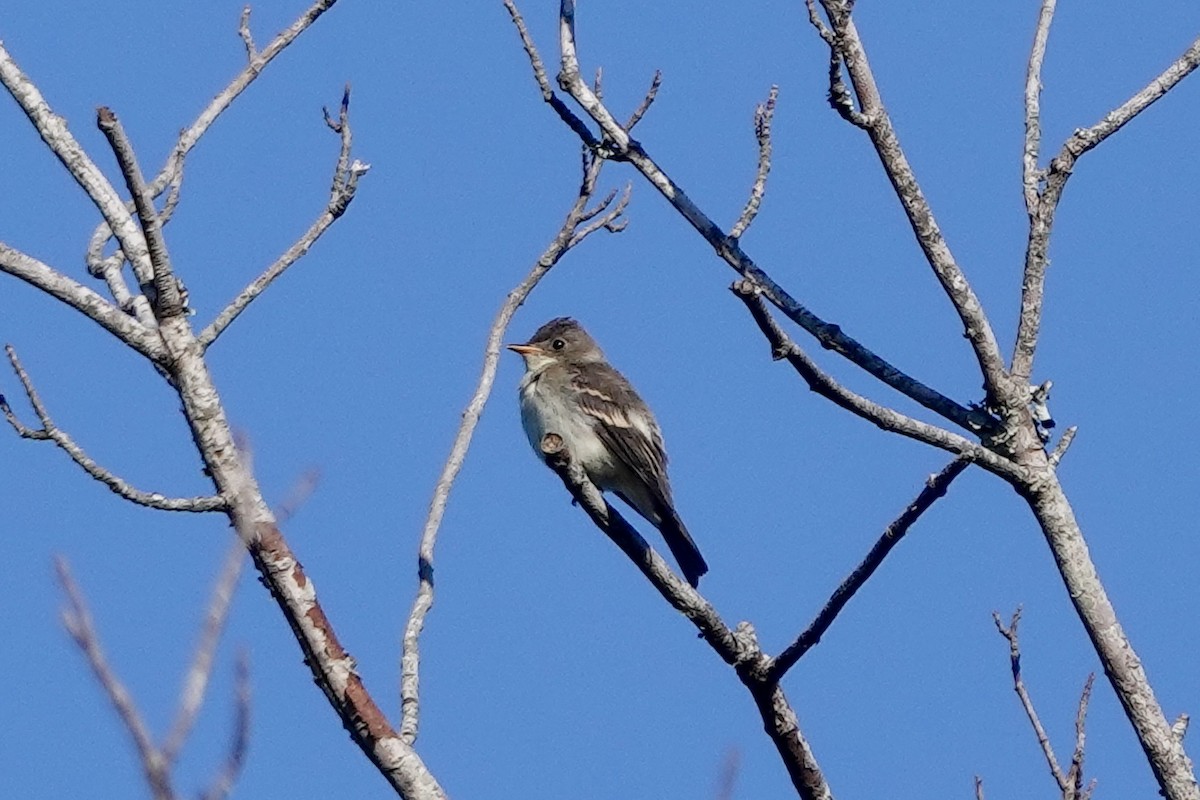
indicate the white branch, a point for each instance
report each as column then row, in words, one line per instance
column 50, row 432
column 256, row 63
column 79, row 297
column 346, row 174
column 54, row 132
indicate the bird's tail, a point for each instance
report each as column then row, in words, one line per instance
column 687, row 555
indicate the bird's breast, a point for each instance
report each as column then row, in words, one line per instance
column 545, row 409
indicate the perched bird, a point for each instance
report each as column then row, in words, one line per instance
column 570, row 389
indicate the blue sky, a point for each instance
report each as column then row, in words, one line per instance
column 551, row 668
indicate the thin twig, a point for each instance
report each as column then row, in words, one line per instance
column 167, row 300
column 1014, row 655
column 200, row 670
column 1075, row 773
column 78, row 621
column 548, row 94
column 1031, row 175
column 647, row 101
column 569, row 235
column 840, row 98
column 888, row 419
column 935, row 488
column 191, row 135
column 239, row 741
column 763, row 115
column 246, row 36
column 815, row 20
column 345, row 184
column 978, row 788
column 618, row 144
column 1064, row 444
column 50, row 432
column 613, row 220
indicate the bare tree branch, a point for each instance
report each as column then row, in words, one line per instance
column 647, row 101
column 1041, row 215
column 239, row 741
column 1013, row 439
column 78, row 621
column 1064, row 444
column 620, row 146
column 200, row 670
column 1014, row 655
column 738, row 648
column 79, row 297
column 332, row 667
column 246, row 36
column 1031, row 175
column 54, row 132
column 888, row 419
column 167, row 299
column 569, row 235
column 50, row 432
column 978, row 788
column 1075, row 772
column 878, row 126
column 172, row 170
column 840, row 98
column 763, row 115
column 548, row 94
column 1010, row 392
column 935, row 488
column 345, row 185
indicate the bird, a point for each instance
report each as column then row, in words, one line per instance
column 571, row 390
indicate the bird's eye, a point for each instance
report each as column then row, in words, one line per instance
column 558, row 344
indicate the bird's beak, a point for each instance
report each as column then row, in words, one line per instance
column 524, row 349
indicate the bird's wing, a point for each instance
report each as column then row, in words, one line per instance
column 626, row 426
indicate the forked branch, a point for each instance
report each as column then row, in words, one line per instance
column 58, row 138
column 172, row 172
column 158, row 762
column 70, row 292
column 738, row 648
column 1044, row 187
column 874, row 119
column 888, row 419
column 619, row 145
column 1070, row 783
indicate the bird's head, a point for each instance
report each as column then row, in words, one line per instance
column 559, row 341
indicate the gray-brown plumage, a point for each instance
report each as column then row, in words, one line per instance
column 571, row 390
